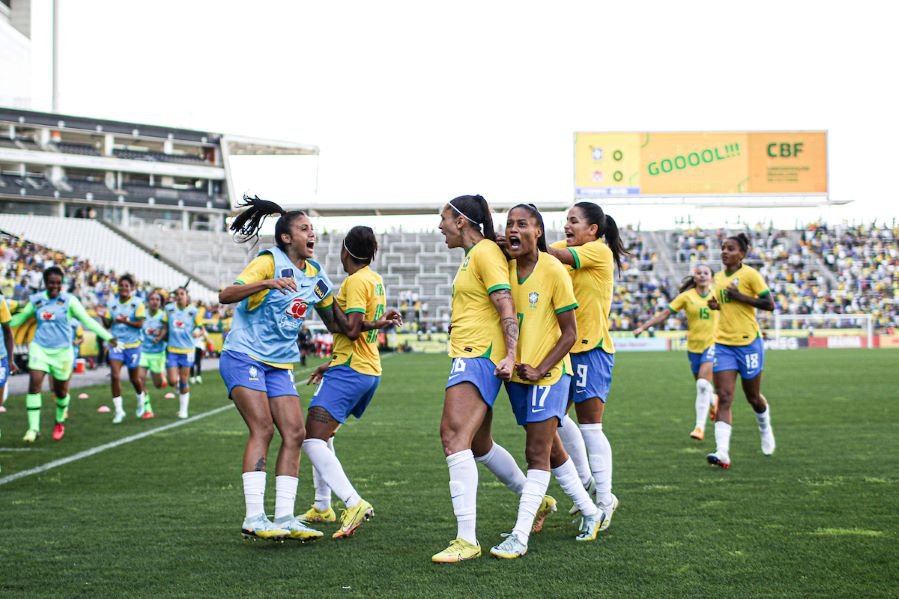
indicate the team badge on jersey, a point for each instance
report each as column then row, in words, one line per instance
column 179, row 324
column 533, row 297
column 321, row 289
column 47, row 316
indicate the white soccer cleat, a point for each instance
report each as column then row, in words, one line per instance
column 768, row 444
column 182, row 415
column 119, row 416
column 609, row 511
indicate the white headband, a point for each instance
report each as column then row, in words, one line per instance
column 474, row 222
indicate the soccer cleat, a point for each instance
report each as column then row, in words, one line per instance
column 260, row 527
column 313, row 515
column 59, row 431
column 148, row 415
column 547, row 507
column 768, row 444
column 511, row 548
column 698, row 434
column 590, row 526
column 298, row 531
column 182, row 415
column 199, row 380
column 191, row 380
column 139, row 413
column 31, row 436
column 722, row 461
column 119, row 416
column 459, row 550
column 352, row 518
column 609, row 511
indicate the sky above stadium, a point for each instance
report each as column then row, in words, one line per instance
column 414, row 101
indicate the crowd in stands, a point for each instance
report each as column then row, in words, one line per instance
column 22, row 264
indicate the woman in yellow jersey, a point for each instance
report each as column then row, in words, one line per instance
column 694, row 295
column 7, row 345
column 740, row 290
column 538, row 391
column 483, row 340
column 273, row 295
column 349, row 382
column 591, row 263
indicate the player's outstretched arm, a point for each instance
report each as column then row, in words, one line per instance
column 657, row 319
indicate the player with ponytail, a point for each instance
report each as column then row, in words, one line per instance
column 592, row 250
column 273, row 293
column 740, row 291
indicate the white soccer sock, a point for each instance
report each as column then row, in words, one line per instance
column 567, row 476
column 704, row 394
column 501, row 463
column 254, row 493
column 463, row 472
column 722, row 439
column 141, row 399
column 5, row 392
column 600, row 452
column 531, row 497
column 329, row 468
column 185, row 401
column 322, row 490
column 285, row 495
column 117, row 403
column 764, row 420
column 573, row 441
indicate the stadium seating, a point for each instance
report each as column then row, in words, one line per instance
column 93, row 241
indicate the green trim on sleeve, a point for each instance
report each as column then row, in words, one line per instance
column 26, row 313
column 77, row 310
column 577, row 260
column 498, row 287
column 764, row 293
column 566, row 308
column 239, row 282
column 351, row 310
column 672, row 310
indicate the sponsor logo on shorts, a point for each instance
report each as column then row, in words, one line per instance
column 253, row 373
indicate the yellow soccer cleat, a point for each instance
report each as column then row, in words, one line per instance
column 298, row 530
column 31, row 436
column 698, row 434
column 260, row 527
column 352, row 518
column 459, row 550
column 313, row 515
column 547, row 507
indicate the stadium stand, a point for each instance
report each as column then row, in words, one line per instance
column 101, row 246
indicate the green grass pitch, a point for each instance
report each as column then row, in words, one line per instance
column 160, row 516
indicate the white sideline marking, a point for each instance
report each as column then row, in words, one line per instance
column 101, row 448
column 2, row 449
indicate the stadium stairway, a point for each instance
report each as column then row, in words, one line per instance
column 102, row 246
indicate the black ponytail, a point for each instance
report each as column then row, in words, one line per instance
column 248, row 223
column 541, row 241
column 476, row 212
column 607, row 228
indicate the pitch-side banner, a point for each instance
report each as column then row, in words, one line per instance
column 682, row 164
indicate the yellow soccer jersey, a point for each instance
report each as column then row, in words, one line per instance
column 5, row 316
column 701, row 320
column 476, row 329
column 545, row 292
column 363, row 292
column 263, row 268
column 593, row 277
column 738, row 324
